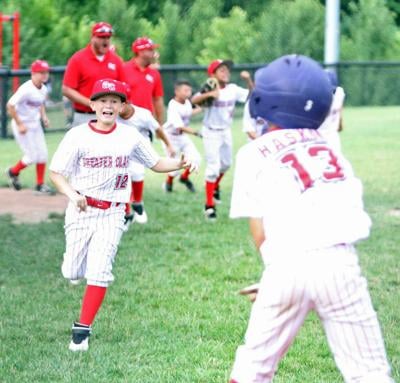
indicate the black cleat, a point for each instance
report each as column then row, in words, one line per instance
column 210, row 213
column 167, row 187
column 140, row 215
column 13, row 179
column 44, row 189
column 217, row 195
column 189, row 184
column 80, row 337
column 128, row 219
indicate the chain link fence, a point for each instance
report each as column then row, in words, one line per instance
column 365, row 84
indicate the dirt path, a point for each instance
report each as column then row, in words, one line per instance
column 26, row 206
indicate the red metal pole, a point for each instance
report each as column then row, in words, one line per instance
column 1, row 39
column 15, row 49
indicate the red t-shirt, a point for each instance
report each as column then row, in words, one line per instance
column 144, row 84
column 84, row 69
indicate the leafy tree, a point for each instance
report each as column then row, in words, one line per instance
column 370, row 32
column 288, row 27
column 229, row 37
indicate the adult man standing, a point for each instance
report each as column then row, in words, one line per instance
column 94, row 62
column 146, row 91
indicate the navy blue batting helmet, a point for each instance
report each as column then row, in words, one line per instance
column 292, row 92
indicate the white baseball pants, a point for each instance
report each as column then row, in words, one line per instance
column 32, row 143
column 92, row 239
column 218, row 152
column 328, row 281
column 183, row 144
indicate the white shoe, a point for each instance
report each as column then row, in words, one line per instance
column 83, row 346
column 75, row 282
column 140, row 215
column 80, row 337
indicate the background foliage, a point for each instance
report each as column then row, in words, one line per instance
column 193, row 31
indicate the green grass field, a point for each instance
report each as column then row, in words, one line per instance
column 173, row 313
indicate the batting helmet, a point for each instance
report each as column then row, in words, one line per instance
column 292, row 92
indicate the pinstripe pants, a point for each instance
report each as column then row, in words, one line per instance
column 328, row 281
column 92, row 239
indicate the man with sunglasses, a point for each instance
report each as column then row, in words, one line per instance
column 94, row 62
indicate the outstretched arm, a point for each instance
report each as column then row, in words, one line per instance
column 166, row 164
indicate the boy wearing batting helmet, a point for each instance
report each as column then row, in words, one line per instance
column 306, row 213
column 91, row 167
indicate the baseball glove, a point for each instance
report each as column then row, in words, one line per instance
column 208, row 86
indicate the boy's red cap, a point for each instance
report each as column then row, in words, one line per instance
column 40, row 66
column 108, row 86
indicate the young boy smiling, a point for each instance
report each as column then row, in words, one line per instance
column 90, row 167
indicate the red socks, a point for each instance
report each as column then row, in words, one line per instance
column 185, row 174
column 18, row 167
column 210, row 187
column 137, row 191
column 40, row 169
column 170, row 179
column 91, row 303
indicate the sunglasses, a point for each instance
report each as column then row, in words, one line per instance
column 104, row 30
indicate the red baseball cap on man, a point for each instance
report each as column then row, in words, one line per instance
column 40, row 66
column 102, row 29
column 108, row 86
column 214, row 65
column 142, row 43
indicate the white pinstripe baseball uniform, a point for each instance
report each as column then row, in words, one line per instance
column 312, row 211
column 330, row 127
column 96, row 164
column 27, row 100
column 144, row 121
column 217, row 135
column 178, row 116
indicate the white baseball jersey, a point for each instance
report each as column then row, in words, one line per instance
column 27, row 101
column 178, row 116
column 97, row 162
column 220, row 114
column 305, row 191
column 143, row 121
column 257, row 125
column 311, row 207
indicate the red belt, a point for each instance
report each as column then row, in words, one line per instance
column 104, row 205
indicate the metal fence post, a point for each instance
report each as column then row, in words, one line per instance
column 5, row 77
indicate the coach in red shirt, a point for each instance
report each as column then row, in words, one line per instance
column 94, row 62
column 144, row 80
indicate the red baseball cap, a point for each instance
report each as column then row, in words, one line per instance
column 40, row 66
column 142, row 43
column 102, row 29
column 108, row 86
column 216, row 64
